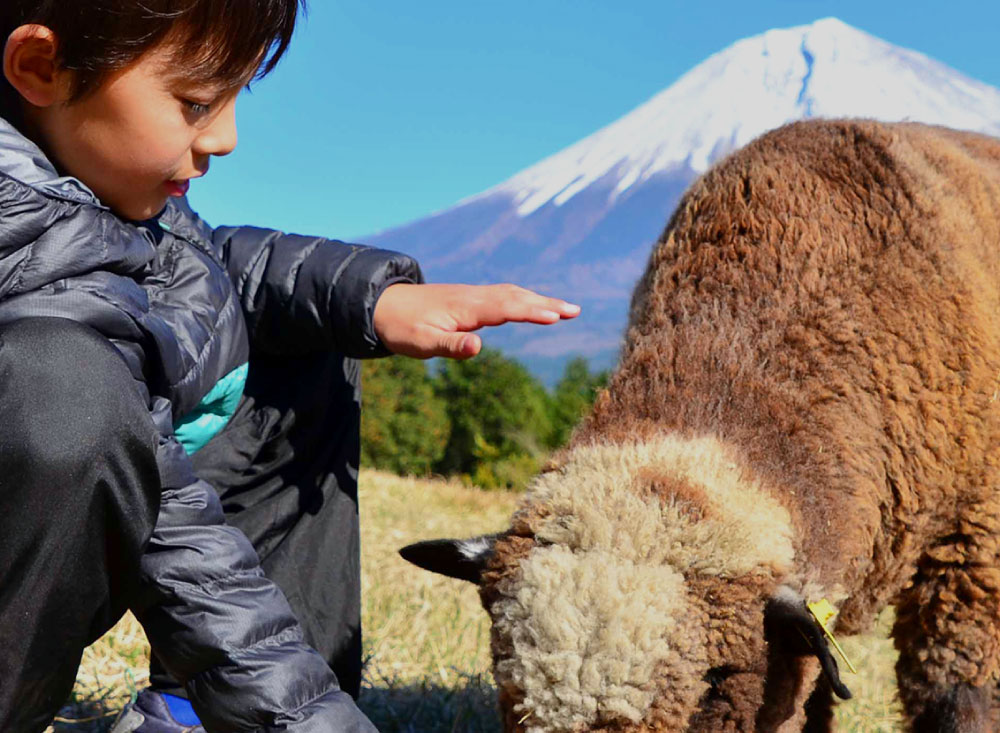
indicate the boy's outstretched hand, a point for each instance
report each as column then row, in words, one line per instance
column 434, row 320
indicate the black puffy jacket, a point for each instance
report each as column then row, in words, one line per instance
column 182, row 303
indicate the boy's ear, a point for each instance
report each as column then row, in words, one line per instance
column 31, row 65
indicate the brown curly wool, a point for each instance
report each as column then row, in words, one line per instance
column 806, row 406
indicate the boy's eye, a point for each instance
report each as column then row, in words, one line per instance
column 197, row 108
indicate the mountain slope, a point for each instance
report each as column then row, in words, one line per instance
column 580, row 223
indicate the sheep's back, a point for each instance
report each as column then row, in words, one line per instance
column 826, row 299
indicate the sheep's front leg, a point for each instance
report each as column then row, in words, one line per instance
column 947, row 632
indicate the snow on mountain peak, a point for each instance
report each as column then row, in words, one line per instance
column 826, row 69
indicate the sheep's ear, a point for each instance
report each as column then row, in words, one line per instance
column 788, row 623
column 462, row 559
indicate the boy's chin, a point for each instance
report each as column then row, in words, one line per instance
column 140, row 210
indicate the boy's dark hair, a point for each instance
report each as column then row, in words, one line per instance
column 220, row 41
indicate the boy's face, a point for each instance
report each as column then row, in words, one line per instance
column 142, row 135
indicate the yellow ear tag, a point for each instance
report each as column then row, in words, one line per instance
column 823, row 612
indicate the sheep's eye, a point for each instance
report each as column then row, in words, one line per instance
column 717, row 675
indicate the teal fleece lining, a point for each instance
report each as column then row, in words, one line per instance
column 205, row 421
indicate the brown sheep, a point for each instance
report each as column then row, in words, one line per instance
column 805, row 408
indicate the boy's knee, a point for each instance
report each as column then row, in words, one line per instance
column 67, row 395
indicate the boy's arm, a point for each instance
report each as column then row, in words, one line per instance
column 307, row 293
column 219, row 625
column 302, row 294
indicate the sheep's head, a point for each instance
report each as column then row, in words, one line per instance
column 638, row 589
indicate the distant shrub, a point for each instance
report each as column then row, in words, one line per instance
column 404, row 424
column 487, row 420
column 498, row 412
column 508, row 473
column 572, row 398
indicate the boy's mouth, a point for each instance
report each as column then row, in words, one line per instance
column 178, row 188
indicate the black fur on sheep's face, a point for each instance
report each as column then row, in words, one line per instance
column 633, row 591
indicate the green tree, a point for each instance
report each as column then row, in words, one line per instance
column 572, row 398
column 404, row 425
column 499, row 415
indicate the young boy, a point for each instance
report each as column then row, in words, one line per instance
column 127, row 408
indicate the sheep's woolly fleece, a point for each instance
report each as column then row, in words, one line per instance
column 600, row 601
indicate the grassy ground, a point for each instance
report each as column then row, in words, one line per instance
column 426, row 637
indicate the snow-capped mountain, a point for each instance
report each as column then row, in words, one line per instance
column 580, row 223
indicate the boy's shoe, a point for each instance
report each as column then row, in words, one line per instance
column 157, row 712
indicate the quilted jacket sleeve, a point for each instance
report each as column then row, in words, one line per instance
column 302, row 292
column 221, row 627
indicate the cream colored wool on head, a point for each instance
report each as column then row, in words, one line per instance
column 580, row 625
column 600, row 602
column 597, row 501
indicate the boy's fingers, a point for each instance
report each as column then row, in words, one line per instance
column 544, row 302
column 521, row 305
column 557, row 305
column 534, row 312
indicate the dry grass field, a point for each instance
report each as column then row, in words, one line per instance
column 426, row 638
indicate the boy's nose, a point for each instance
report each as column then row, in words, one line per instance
column 220, row 137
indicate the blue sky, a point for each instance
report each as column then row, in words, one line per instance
column 387, row 110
